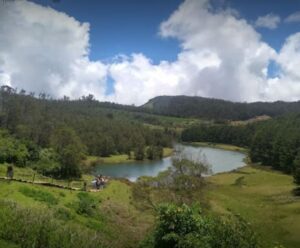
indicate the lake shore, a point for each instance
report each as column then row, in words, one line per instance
column 218, row 146
column 120, row 158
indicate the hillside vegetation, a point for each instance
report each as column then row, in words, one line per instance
column 216, row 109
column 55, row 136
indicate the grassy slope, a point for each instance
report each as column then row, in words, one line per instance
column 120, row 222
column 264, row 198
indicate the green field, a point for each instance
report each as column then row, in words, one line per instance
column 120, row 158
column 260, row 195
column 264, row 198
column 116, row 219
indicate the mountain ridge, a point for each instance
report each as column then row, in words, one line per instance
column 212, row 108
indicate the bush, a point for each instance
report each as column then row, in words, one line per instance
column 86, row 204
column 185, row 227
column 63, row 214
column 37, row 228
column 39, row 195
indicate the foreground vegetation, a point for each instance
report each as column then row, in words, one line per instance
column 263, row 197
column 123, row 214
column 38, row 216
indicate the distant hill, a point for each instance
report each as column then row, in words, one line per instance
column 209, row 108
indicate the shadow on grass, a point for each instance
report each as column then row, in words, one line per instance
column 296, row 191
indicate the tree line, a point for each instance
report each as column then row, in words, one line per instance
column 55, row 135
column 217, row 109
column 275, row 142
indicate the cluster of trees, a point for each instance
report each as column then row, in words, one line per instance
column 216, row 109
column 44, row 132
column 184, row 226
column 274, row 142
column 226, row 134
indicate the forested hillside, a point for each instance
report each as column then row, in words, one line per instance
column 55, row 135
column 274, row 142
column 216, row 109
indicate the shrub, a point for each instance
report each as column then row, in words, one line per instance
column 86, row 204
column 37, row 228
column 39, row 195
column 185, row 227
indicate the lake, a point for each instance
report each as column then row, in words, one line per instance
column 219, row 159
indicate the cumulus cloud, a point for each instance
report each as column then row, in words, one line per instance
column 43, row 50
column 269, row 21
column 295, row 17
column 221, row 56
column 287, row 85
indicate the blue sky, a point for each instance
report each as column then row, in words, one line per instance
column 124, row 27
column 128, row 26
column 229, row 49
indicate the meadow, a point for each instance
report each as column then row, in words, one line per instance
column 260, row 195
column 264, row 198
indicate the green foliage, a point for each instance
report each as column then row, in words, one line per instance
column 37, row 228
column 72, row 129
column 12, row 150
column 186, row 227
column 296, row 172
column 70, row 151
column 216, row 109
column 48, row 163
column 39, row 195
column 274, row 142
column 86, row 204
column 139, row 153
column 154, row 152
column 63, row 214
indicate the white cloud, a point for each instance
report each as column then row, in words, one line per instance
column 295, row 17
column 221, row 56
column 287, row 85
column 269, row 21
column 43, row 50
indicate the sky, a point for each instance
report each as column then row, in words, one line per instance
column 129, row 51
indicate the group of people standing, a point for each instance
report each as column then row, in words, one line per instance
column 99, row 182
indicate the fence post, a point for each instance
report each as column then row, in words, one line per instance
column 33, row 177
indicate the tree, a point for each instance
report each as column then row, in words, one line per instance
column 139, row 153
column 186, row 227
column 296, row 173
column 70, row 151
column 150, row 153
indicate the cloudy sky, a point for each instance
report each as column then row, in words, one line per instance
column 130, row 51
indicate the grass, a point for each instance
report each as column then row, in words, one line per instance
column 30, row 175
column 264, row 198
column 260, row 195
column 111, row 212
column 5, row 244
column 39, row 195
column 120, row 158
column 220, row 146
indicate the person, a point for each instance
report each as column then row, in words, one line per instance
column 98, row 181
column 84, row 186
column 10, row 172
column 102, row 181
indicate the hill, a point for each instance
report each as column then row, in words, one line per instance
column 216, row 109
